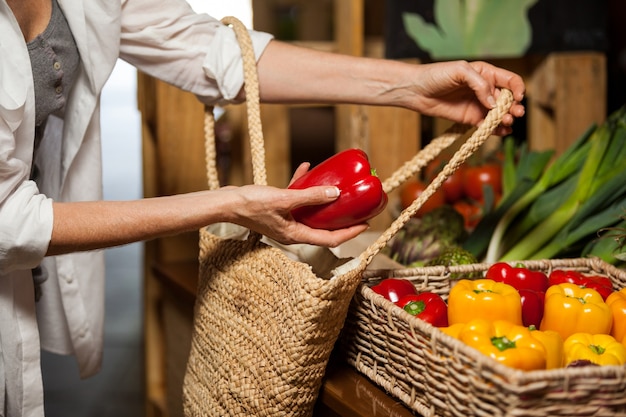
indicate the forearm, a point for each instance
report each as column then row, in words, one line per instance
column 85, row 226
column 288, row 73
column 456, row 90
column 80, row 226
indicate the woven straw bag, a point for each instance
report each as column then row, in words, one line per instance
column 266, row 316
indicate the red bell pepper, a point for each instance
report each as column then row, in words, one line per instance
column 532, row 307
column 600, row 283
column 427, row 306
column 518, row 276
column 530, row 284
column 362, row 195
column 393, row 289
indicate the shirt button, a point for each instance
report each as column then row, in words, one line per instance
column 57, row 65
column 59, row 90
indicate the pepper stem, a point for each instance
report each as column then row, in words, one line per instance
column 503, row 343
column 415, row 307
column 598, row 350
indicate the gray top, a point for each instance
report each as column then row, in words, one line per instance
column 54, row 60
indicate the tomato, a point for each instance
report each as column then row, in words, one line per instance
column 471, row 211
column 478, row 176
column 413, row 189
column 453, row 185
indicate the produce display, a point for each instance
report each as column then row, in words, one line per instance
column 362, row 196
column 572, row 318
column 521, row 204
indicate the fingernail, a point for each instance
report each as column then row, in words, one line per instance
column 491, row 101
column 332, row 192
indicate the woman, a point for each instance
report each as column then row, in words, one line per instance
column 57, row 55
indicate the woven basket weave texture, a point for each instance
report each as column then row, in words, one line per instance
column 437, row 375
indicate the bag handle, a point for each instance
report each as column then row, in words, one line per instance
column 425, row 155
column 255, row 130
column 477, row 138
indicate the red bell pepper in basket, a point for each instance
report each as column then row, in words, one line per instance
column 532, row 307
column 427, row 306
column 393, row 289
column 530, row 284
column 518, row 276
column 362, row 196
column 600, row 283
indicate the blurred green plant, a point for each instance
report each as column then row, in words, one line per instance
column 473, row 29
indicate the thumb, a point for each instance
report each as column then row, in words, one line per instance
column 320, row 194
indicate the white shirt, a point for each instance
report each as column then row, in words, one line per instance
column 163, row 38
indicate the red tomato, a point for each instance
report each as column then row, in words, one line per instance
column 476, row 177
column 472, row 212
column 413, row 189
column 453, row 186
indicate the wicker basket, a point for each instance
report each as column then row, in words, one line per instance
column 435, row 374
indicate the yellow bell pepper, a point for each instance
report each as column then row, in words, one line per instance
column 510, row 344
column 553, row 342
column 572, row 309
column 483, row 299
column 453, row 330
column 617, row 303
column 601, row 349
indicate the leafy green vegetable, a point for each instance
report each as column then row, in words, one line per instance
column 582, row 192
column 561, row 169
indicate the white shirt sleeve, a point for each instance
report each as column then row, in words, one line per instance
column 25, row 228
column 194, row 52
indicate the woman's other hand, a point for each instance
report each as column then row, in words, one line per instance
column 462, row 91
column 267, row 210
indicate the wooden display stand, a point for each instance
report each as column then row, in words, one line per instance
column 566, row 95
column 566, row 92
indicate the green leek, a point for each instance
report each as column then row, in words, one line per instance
column 593, row 176
column 563, row 167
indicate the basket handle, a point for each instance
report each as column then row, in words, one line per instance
column 477, row 138
column 251, row 88
column 425, row 155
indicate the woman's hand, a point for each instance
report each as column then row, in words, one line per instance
column 267, row 210
column 461, row 91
